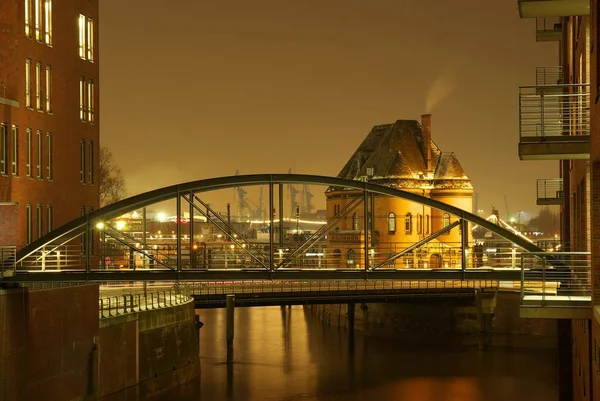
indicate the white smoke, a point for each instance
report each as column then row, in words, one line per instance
column 442, row 86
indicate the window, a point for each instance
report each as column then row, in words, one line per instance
column 90, row 100
column 446, row 220
column 419, row 224
column 48, row 89
column 355, row 226
column 392, row 223
column 82, row 98
column 408, row 223
column 28, row 18
column 336, row 209
column 28, row 223
column 351, row 255
column 91, row 162
column 38, row 20
column 82, row 36
column 82, row 161
column 48, row 22
column 427, row 224
column 38, row 86
column 90, row 39
column 3, row 149
column 15, row 151
column 49, row 217
column 28, row 144
column 28, row 83
column 49, row 156
column 39, row 221
column 38, row 161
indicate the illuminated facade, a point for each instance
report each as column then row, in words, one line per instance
column 49, row 132
column 403, row 156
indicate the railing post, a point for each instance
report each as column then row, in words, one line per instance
column 366, row 228
column 464, row 243
column 543, row 280
column 191, row 233
column 280, row 215
column 522, row 277
column 178, row 227
column 271, row 228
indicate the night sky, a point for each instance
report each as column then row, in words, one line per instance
column 193, row 89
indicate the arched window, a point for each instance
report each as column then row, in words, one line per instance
column 391, row 223
column 350, row 256
column 446, row 220
column 427, row 224
column 408, row 223
column 355, row 221
column 419, row 224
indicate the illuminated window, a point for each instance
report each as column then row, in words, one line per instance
column 392, row 223
column 446, row 220
column 355, row 222
column 48, row 22
column 90, row 100
column 49, row 156
column 91, row 162
column 427, row 224
column 82, row 36
column 15, row 151
column 28, row 144
column 3, row 149
column 49, row 217
column 38, row 162
column 82, row 161
column 408, row 223
column 28, row 83
column 39, row 220
column 38, row 20
column 38, row 86
column 48, row 89
column 90, row 40
column 28, row 18
column 28, row 223
column 419, row 224
column 82, row 97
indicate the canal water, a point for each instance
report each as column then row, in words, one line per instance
column 288, row 354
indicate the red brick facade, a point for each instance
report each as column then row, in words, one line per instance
column 54, row 191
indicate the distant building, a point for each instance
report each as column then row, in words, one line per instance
column 400, row 155
column 49, row 132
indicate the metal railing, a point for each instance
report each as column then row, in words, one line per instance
column 550, row 188
column 565, row 278
column 138, row 302
column 8, row 257
column 546, row 26
column 548, row 76
column 554, row 110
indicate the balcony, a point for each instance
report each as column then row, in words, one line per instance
column 554, row 122
column 550, row 191
column 552, row 8
column 548, row 29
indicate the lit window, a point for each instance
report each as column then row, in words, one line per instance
column 3, row 149
column 49, row 217
column 48, row 22
column 28, row 18
column 408, row 223
column 91, row 162
column 82, row 161
column 28, row 83
column 90, row 100
column 39, row 220
column 392, row 223
column 446, row 220
column 38, row 86
column 427, row 224
column 82, row 98
column 28, row 223
column 38, row 20
column 38, row 163
column 90, row 39
column 419, row 224
column 48, row 89
column 82, row 36
column 15, row 151
column 355, row 222
column 28, row 144
column 49, row 156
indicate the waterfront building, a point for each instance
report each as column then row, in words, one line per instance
column 49, row 131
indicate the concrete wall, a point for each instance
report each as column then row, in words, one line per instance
column 434, row 320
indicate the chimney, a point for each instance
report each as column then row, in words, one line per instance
column 426, row 135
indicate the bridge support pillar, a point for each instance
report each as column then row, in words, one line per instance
column 351, row 314
column 480, row 318
column 229, row 324
column 565, row 360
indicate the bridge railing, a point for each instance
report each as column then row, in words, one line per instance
column 556, row 279
column 123, row 304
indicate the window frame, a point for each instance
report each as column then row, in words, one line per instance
column 408, row 223
column 391, row 223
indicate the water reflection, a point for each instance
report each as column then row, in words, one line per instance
column 287, row 354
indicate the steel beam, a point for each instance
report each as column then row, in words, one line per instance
column 280, row 192
column 178, row 226
column 366, row 229
column 271, row 229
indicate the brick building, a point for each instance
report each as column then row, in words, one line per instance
column 49, row 133
column 566, row 127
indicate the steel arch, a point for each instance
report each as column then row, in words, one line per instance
column 79, row 225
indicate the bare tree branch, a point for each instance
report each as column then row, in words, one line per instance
column 112, row 183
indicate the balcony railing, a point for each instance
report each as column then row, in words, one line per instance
column 550, row 191
column 553, row 76
column 554, row 122
column 548, row 29
column 553, row 8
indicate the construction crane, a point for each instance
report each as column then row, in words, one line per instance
column 307, row 196
column 293, row 192
column 247, row 208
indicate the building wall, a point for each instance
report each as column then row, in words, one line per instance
column 61, row 195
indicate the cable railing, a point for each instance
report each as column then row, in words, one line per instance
column 128, row 303
column 549, row 190
column 548, row 76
